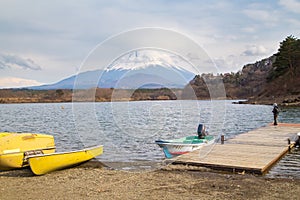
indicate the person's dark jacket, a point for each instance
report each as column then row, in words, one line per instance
column 275, row 110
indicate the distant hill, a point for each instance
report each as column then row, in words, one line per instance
column 273, row 79
column 100, row 95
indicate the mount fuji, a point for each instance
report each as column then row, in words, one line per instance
column 138, row 69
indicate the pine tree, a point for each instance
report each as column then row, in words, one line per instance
column 287, row 59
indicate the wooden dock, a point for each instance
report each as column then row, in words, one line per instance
column 255, row 151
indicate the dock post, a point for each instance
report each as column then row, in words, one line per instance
column 222, row 139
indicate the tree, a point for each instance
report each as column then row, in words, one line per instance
column 59, row 93
column 287, row 58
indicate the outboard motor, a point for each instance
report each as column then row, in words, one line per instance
column 201, row 131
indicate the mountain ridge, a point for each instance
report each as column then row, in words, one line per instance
column 166, row 70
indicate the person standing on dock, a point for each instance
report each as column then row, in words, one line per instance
column 275, row 113
column 297, row 143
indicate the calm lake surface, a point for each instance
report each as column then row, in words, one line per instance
column 128, row 129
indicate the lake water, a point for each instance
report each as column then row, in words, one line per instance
column 128, row 129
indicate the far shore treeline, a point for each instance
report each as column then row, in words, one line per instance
column 273, row 79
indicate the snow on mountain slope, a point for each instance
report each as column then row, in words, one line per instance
column 143, row 58
column 148, row 67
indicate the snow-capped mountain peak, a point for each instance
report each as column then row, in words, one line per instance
column 137, row 69
column 141, row 59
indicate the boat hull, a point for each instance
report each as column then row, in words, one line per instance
column 42, row 164
column 3, row 134
column 172, row 148
column 15, row 146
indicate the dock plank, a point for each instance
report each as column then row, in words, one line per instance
column 255, row 151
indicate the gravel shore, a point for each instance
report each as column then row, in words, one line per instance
column 84, row 182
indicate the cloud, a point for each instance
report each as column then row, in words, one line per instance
column 14, row 82
column 249, row 29
column 291, row 5
column 255, row 50
column 13, row 61
column 267, row 17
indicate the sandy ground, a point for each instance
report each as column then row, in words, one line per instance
column 85, row 182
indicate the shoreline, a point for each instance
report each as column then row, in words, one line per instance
column 287, row 105
column 283, row 102
column 95, row 182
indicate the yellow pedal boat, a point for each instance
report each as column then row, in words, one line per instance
column 2, row 134
column 42, row 164
column 15, row 147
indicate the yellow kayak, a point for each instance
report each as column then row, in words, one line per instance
column 42, row 164
column 2, row 134
column 15, row 147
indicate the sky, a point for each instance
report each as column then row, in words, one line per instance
column 47, row 41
